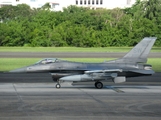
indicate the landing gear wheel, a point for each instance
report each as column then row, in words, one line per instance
column 98, row 85
column 58, row 86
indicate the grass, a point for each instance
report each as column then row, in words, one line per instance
column 70, row 49
column 7, row 64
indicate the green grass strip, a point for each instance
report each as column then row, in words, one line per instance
column 7, row 64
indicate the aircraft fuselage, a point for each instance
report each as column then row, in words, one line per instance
column 65, row 68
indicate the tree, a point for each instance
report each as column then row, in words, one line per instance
column 15, row 12
column 46, row 6
column 151, row 8
column 78, row 26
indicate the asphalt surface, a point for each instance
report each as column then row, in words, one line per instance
column 41, row 101
column 34, row 97
column 68, row 55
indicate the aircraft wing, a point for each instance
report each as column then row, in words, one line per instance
column 103, row 71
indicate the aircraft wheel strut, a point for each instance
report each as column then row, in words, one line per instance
column 99, row 85
column 58, row 86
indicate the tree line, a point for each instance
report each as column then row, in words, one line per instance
column 78, row 26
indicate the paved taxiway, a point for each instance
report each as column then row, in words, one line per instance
column 24, row 98
column 42, row 101
column 69, row 54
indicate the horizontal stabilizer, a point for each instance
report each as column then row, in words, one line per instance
column 145, row 72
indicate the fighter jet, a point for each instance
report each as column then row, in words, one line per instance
column 133, row 64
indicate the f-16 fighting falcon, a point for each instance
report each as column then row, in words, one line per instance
column 133, row 64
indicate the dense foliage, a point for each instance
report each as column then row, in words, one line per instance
column 81, row 27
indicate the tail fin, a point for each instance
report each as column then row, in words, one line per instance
column 139, row 53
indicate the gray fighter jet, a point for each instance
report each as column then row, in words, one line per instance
column 131, row 65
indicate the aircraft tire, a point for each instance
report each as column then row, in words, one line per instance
column 58, row 86
column 99, row 85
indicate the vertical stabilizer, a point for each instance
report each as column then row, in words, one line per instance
column 140, row 52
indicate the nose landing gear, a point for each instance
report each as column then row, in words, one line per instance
column 99, row 85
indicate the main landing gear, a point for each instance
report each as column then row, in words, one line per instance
column 58, row 86
column 99, row 85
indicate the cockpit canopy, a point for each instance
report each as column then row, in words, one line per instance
column 47, row 61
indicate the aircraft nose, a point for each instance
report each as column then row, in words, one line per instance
column 19, row 70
